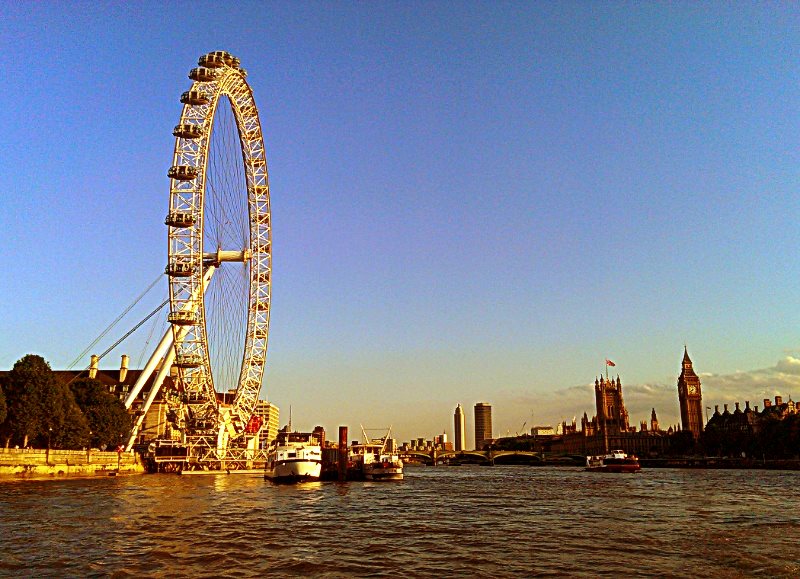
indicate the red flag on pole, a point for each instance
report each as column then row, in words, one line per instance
column 609, row 362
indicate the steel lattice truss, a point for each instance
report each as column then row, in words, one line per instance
column 190, row 264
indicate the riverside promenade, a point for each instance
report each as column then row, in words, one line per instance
column 37, row 463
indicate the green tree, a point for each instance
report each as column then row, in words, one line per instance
column 27, row 388
column 107, row 417
column 73, row 433
column 40, row 408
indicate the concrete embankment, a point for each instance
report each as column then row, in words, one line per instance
column 37, row 463
column 720, row 463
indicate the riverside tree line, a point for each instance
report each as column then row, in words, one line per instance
column 38, row 410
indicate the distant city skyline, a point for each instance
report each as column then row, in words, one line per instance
column 472, row 202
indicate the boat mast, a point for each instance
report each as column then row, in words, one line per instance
column 386, row 439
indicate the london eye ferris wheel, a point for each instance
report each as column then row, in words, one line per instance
column 219, row 226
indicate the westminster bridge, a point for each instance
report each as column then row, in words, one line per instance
column 433, row 457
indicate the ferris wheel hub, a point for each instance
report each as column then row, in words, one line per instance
column 221, row 256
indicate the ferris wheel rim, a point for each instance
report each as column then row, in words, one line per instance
column 190, row 265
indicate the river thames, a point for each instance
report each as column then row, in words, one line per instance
column 501, row 521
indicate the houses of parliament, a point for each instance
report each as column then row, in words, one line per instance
column 610, row 427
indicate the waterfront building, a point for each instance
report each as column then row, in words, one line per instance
column 440, row 442
column 542, row 431
column 753, row 432
column 460, row 429
column 690, row 397
column 780, row 410
column 611, row 412
column 483, row 425
column 270, row 415
column 319, row 434
column 608, row 429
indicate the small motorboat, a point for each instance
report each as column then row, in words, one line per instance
column 614, row 461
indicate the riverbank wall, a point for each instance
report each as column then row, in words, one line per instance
column 17, row 463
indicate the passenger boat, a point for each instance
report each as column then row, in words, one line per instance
column 384, row 466
column 614, row 461
column 294, row 457
column 376, row 461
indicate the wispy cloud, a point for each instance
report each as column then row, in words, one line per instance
column 783, row 379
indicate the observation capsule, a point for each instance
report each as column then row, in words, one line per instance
column 194, row 97
column 212, row 59
column 182, row 318
column 188, row 131
column 179, row 269
column 203, row 74
column 182, row 172
column 179, row 219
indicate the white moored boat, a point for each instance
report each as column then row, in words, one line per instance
column 384, row 467
column 294, row 457
column 376, row 460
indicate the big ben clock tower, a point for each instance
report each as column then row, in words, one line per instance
column 690, row 397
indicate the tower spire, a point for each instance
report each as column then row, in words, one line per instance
column 690, row 396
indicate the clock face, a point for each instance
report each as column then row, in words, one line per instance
column 692, row 389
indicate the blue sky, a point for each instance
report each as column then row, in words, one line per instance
column 471, row 201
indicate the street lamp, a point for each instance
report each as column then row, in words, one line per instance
column 49, row 434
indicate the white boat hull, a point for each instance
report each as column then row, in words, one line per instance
column 377, row 471
column 290, row 471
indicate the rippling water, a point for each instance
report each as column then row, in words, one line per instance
column 446, row 521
